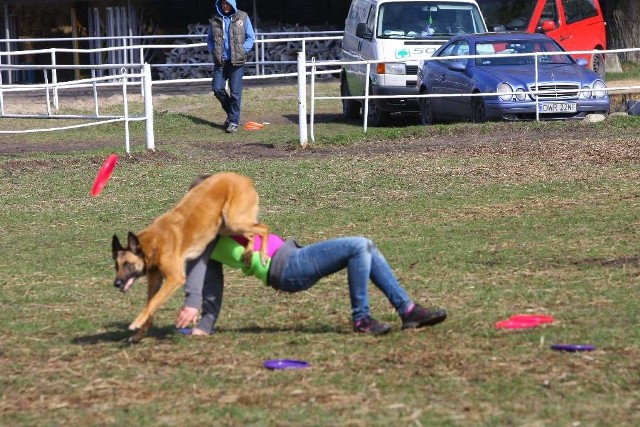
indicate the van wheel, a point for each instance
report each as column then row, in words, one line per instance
column 375, row 116
column 426, row 112
column 597, row 64
column 477, row 111
column 350, row 107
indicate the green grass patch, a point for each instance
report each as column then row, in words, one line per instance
column 484, row 220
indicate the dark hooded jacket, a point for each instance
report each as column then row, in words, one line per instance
column 231, row 37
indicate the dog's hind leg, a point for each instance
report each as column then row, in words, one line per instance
column 154, row 282
column 261, row 230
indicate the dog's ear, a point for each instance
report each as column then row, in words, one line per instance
column 134, row 244
column 115, row 246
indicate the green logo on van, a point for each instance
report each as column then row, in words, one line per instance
column 402, row 53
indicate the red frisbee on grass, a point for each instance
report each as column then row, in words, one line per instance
column 104, row 173
column 524, row 321
column 516, row 324
column 540, row 318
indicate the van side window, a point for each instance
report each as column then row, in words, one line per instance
column 577, row 10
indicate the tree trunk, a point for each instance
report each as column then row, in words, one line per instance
column 623, row 31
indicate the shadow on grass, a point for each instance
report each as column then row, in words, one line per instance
column 122, row 333
column 200, row 121
column 302, row 329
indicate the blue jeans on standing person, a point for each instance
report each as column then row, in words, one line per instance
column 230, row 101
column 363, row 261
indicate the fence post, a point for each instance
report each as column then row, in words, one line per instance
column 148, row 107
column 302, row 98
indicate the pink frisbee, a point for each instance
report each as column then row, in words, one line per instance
column 104, row 173
column 516, row 324
column 540, row 318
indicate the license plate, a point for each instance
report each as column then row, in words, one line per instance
column 557, row 107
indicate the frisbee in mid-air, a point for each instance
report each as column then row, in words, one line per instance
column 276, row 364
column 104, row 173
column 573, row 347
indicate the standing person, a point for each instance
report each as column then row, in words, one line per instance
column 294, row 268
column 230, row 39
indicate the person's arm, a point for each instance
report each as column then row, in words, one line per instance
column 250, row 36
column 193, row 288
column 210, row 39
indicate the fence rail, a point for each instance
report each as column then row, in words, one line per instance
column 307, row 70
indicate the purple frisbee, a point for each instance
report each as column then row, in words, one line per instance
column 184, row 331
column 573, row 347
column 285, row 364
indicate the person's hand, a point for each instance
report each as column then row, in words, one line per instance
column 187, row 316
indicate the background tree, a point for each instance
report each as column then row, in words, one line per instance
column 623, row 26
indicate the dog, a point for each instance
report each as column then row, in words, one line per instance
column 224, row 203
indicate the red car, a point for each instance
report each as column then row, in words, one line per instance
column 574, row 24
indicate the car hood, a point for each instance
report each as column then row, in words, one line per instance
column 525, row 74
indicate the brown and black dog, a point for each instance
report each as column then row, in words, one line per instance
column 225, row 203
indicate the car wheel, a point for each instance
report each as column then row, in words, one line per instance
column 375, row 116
column 477, row 110
column 350, row 107
column 597, row 64
column 426, row 113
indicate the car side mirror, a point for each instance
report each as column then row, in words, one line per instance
column 547, row 25
column 458, row 65
column 363, row 32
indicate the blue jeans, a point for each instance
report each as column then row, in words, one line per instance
column 230, row 102
column 363, row 261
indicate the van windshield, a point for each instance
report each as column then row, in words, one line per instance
column 513, row 15
column 422, row 20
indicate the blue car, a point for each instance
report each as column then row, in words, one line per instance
column 566, row 89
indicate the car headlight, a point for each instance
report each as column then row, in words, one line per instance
column 586, row 92
column 391, row 68
column 520, row 94
column 599, row 89
column 505, row 89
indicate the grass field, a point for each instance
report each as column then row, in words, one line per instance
column 484, row 220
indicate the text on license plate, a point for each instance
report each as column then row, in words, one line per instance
column 557, row 107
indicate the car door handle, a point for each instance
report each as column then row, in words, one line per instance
column 563, row 38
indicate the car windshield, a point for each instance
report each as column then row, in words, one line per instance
column 415, row 20
column 513, row 15
column 514, row 48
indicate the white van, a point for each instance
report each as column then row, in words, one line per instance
column 398, row 33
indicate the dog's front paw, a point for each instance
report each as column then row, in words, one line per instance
column 134, row 339
column 138, row 323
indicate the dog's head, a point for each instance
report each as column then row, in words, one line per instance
column 129, row 262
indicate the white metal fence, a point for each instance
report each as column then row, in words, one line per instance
column 140, row 76
column 307, row 68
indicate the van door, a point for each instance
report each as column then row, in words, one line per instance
column 551, row 11
column 360, row 17
column 582, row 23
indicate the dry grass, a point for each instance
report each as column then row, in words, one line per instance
column 484, row 221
